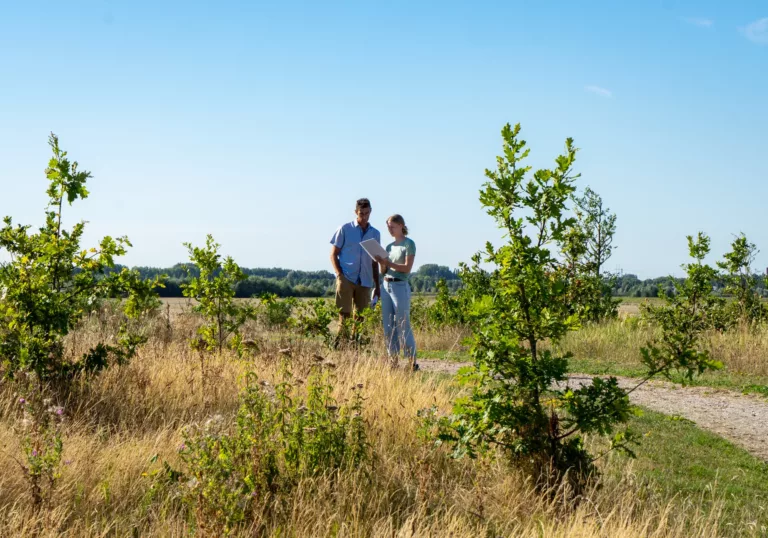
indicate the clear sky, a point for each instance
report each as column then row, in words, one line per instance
column 261, row 123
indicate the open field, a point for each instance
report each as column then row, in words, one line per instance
column 122, row 426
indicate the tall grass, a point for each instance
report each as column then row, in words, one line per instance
column 742, row 350
column 123, row 424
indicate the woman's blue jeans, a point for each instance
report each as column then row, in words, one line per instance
column 396, row 314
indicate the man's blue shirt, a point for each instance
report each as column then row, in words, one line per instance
column 356, row 264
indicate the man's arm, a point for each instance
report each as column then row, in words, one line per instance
column 335, row 251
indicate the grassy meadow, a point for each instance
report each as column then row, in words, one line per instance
column 121, row 427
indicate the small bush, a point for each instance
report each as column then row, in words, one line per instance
column 213, row 288
column 51, row 284
column 313, row 319
column 276, row 313
column 237, row 473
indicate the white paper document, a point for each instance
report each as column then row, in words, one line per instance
column 373, row 248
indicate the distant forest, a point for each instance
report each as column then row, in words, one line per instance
column 291, row 283
column 631, row 286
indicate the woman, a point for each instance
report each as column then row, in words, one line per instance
column 396, row 291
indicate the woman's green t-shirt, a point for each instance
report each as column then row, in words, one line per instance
column 397, row 254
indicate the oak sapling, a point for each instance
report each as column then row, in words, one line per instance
column 520, row 401
column 214, row 290
column 686, row 314
column 51, row 283
column 590, row 246
column 741, row 283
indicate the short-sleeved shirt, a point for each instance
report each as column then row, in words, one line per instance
column 397, row 254
column 356, row 264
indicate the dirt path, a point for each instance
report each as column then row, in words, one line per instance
column 740, row 418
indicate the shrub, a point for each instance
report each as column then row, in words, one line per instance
column 238, row 472
column 51, row 284
column 213, row 288
column 683, row 319
column 517, row 402
column 448, row 308
column 313, row 319
column 741, row 284
column 360, row 329
column 274, row 312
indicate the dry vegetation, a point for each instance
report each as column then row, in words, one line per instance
column 123, row 424
column 741, row 350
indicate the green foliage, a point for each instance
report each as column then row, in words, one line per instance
column 51, row 284
column 448, row 308
column 214, row 291
column 587, row 247
column 741, row 284
column 313, row 319
column 685, row 316
column 293, row 283
column 238, row 472
column 357, row 331
column 274, row 312
column 419, row 312
column 523, row 302
column 598, row 226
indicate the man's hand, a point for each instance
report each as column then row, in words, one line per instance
column 335, row 261
column 377, row 291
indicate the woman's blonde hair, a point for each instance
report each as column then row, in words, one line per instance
column 398, row 219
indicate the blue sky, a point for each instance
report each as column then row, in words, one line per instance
column 261, row 123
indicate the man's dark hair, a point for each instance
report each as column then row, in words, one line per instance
column 363, row 203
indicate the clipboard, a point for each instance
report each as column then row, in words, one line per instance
column 373, row 248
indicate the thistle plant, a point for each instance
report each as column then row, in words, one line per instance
column 39, row 429
column 237, row 471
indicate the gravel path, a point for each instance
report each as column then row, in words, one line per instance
column 740, row 418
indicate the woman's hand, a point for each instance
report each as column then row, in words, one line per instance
column 383, row 261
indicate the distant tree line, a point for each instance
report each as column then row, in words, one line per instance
column 630, row 286
column 291, row 283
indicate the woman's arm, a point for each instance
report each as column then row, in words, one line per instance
column 399, row 267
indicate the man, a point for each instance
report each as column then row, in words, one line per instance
column 356, row 272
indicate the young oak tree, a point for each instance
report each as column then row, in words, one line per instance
column 688, row 312
column 50, row 284
column 741, row 283
column 519, row 401
column 599, row 226
column 214, row 290
column 592, row 238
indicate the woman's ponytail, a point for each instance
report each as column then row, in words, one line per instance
column 399, row 220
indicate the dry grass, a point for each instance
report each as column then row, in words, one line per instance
column 741, row 350
column 116, row 423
